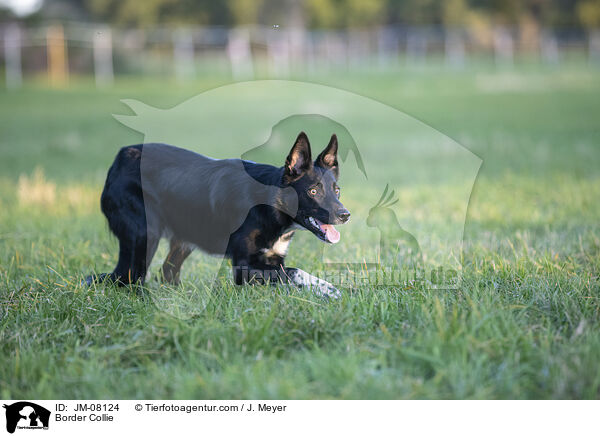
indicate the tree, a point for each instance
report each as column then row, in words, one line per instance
column 344, row 13
column 588, row 12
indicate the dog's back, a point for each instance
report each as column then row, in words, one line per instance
column 182, row 194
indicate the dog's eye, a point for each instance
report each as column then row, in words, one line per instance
column 337, row 191
column 312, row 191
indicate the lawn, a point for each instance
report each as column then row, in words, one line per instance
column 524, row 322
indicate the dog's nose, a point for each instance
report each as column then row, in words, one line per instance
column 343, row 215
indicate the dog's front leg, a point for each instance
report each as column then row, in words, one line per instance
column 299, row 277
column 262, row 274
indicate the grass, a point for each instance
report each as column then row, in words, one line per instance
column 523, row 324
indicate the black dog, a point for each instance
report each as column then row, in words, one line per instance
column 240, row 209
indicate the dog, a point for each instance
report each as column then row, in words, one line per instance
column 246, row 211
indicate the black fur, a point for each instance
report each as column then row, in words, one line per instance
column 241, row 209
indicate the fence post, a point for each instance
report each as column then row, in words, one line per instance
column 103, row 60
column 504, row 46
column 240, row 55
column 387, row 46
column 12, row 50
column 183, row 53
column 297, row 48
column 549, row 48
column 594, row 46
column 278, row 50
column 359, row 53
column 57, row 55
column 454, row 48
column 416, row 46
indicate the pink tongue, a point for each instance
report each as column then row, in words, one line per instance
column 331, row 233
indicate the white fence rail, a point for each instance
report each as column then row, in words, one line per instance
column 98, row 50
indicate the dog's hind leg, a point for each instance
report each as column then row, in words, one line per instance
column 123, row 272
column 178, row 253
column 135, row 255
column 132, row 217
column 145, row 248
column 145, row 242
column 137, row 247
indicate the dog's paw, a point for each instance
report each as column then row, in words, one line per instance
column 93, row 279
column 327, row 290
column 318, row 286
column 88, row 281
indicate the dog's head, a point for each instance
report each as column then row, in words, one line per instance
column 319, row 206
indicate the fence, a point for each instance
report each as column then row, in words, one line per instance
column 59, row 50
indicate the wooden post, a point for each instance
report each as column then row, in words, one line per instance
column 57, row 56
column 12, row 54
column 103, row 60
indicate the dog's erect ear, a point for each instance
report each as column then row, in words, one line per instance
column 328, row 157
column 299, row 160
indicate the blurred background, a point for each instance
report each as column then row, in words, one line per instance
column 106, row 39
column 515, row 82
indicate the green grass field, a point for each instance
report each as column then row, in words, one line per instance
column 523, row 324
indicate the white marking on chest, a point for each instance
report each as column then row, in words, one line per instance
column 280, row 247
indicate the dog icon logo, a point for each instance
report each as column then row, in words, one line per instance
column 26, row 415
